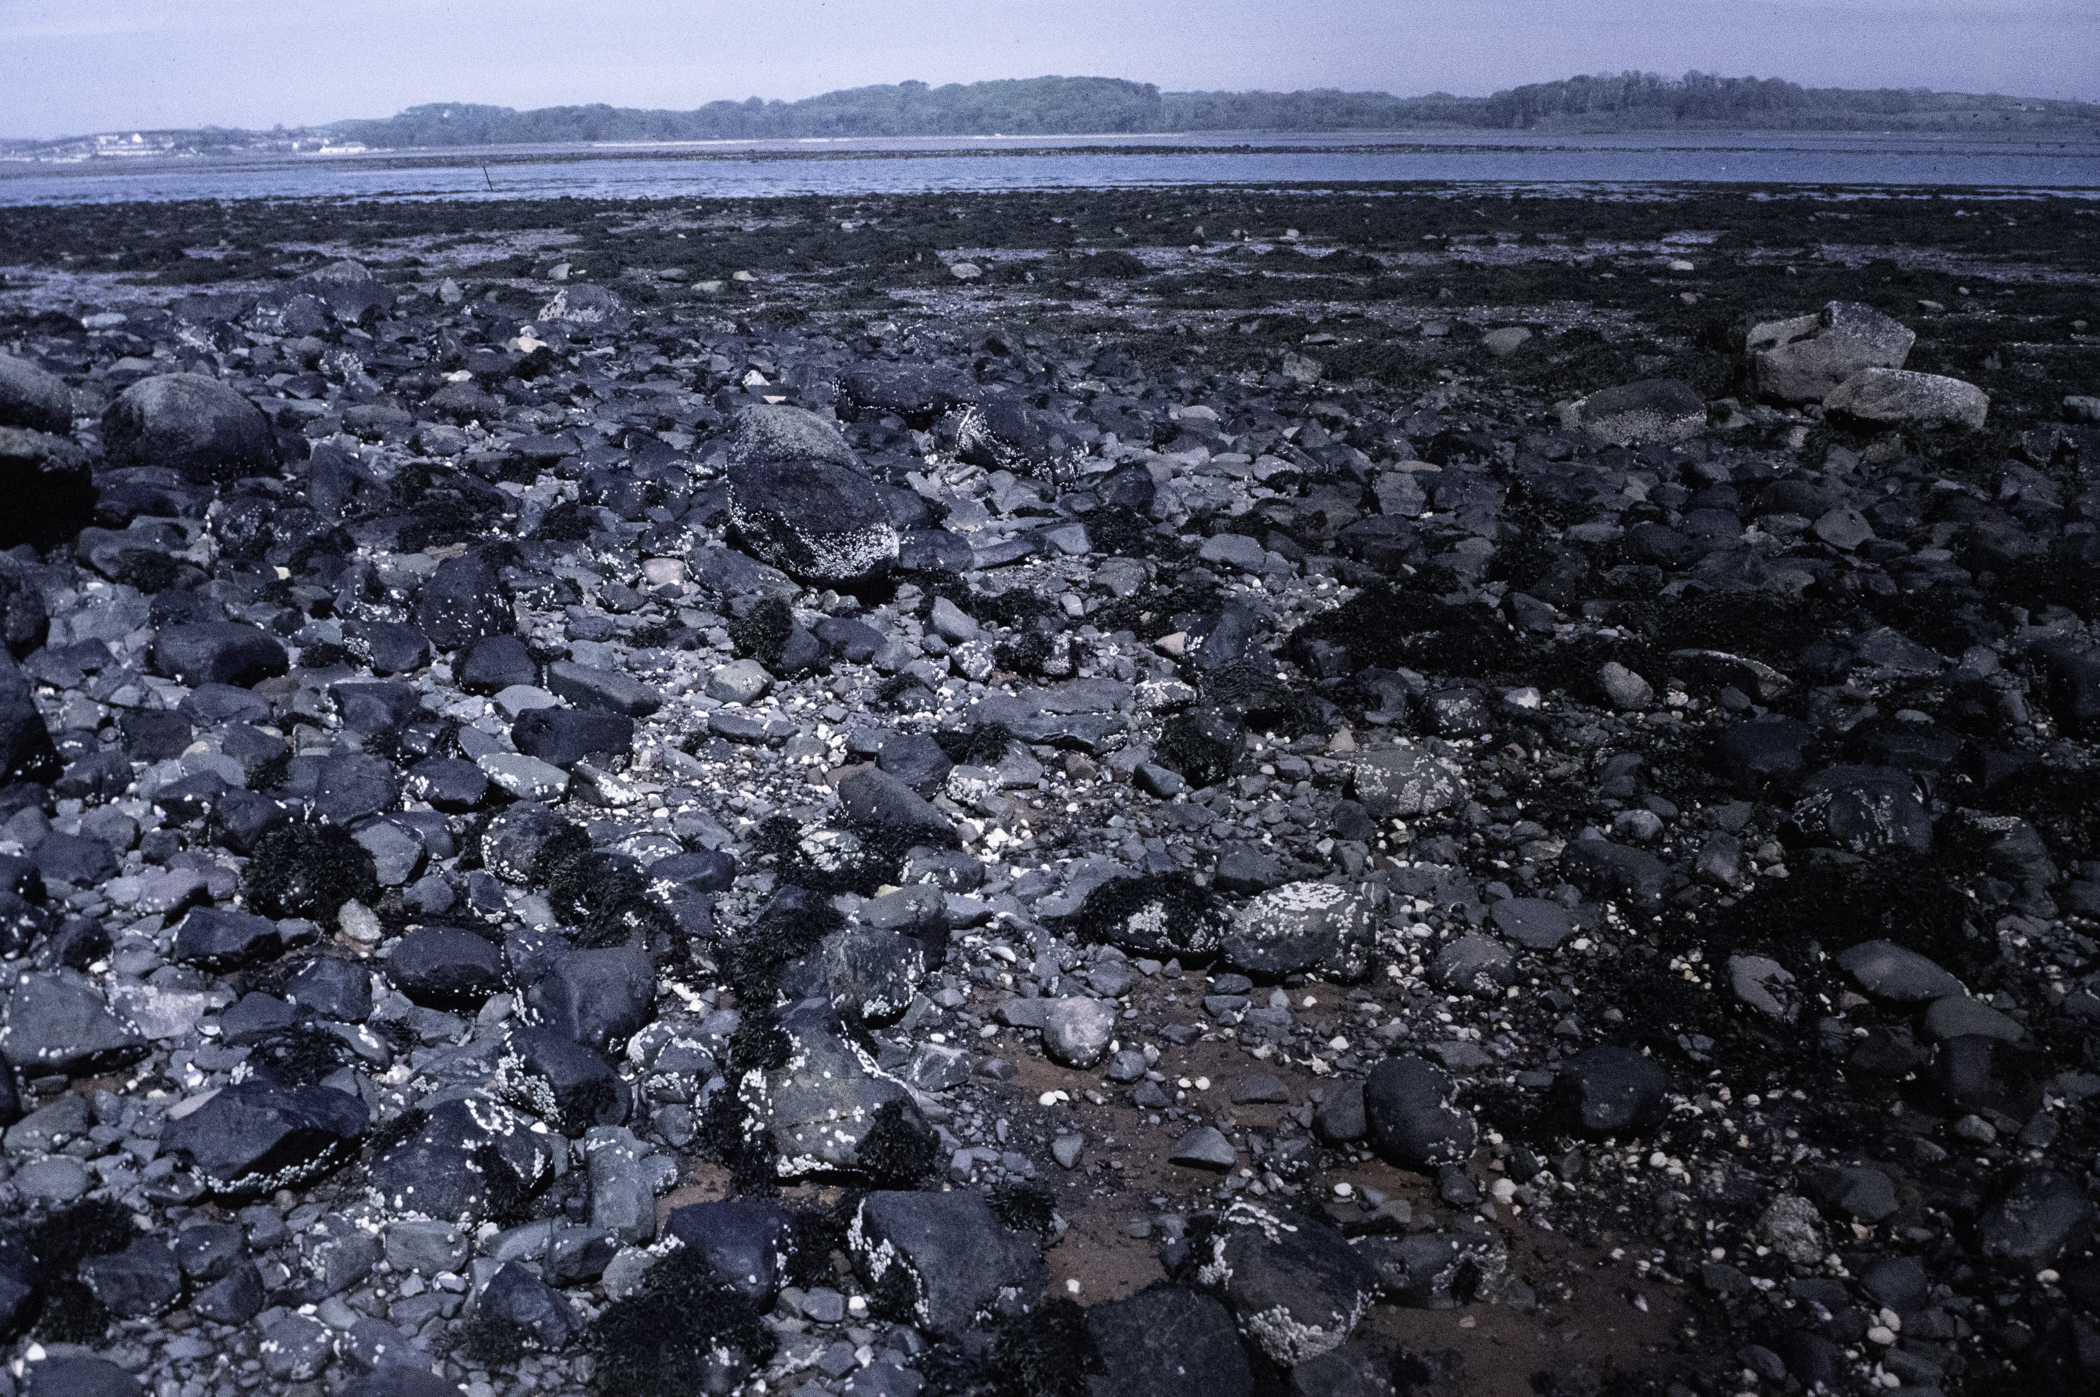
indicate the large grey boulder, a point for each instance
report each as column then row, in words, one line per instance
column 1901, row 398
column 798, row 500
column 190, row 424
column 1801, row 359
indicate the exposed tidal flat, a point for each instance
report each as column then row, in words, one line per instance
column 1520, row 160
column 1210, row 789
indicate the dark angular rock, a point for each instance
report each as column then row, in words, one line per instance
column 1410, row 1115
column 218, row 652
column 443, row 1170
column 234, row 1298
column 373, row 708
column 154, row 735
column 565, row 736
column 587, row 687
column 190, row 424
column 210, row 1250
column 916, row 760
column 463, row 601
column 1896, row 973
column 1167, row 1342
column 950, row 1263
column 445, row 967
column 332, row 988
column 256, row 1137
column 138, row 1282
column 447, row 783
column 1766, row 753
column 1611, row 1090
column 1535, row 923
column 49, row 482
column 61, row 1024
column 1618, row 870
column 26, row 750
column 747, row 1243
column 220, row 940
column 799, row 502
column 2042, row 1215
column 80, row 1377
column 1300, row 927
column 69, row 858
column 1864, row 810
column 387, row 647
column 597, row 998
column 494, row 663
column 561, row 1081
column 881, row 801
column 1437, row 1270
column 1295, row 1287
column 353, row 786
column 517, row 1297
column 704, row 871
column 515, row 837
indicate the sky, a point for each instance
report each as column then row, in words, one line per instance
column 73, row 68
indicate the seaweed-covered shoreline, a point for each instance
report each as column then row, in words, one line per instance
column 1146, row 791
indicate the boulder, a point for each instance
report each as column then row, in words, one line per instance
column 1295, row 1287
column 747, row 1243
column 1901, row 398
column 1653, row 410
column 947, row 1261
column 1301, row 927
column 253, row 1138
column 190, row 424
column 1411, row 1116
column 1799, row 360
column 799, row 502
column 218, row 652
column 463, row 600
column 561, row 1081
column 32, row 398
column 1611, row 1090
column 817, row 1108
column 585, row 309
column 57, row 1023
column 1165, row 1341
column 444, row 1171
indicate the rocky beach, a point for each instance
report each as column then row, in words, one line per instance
column 1155, row 793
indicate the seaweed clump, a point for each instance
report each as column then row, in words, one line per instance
column 1203, row 746
column 603, row 894
column 309, row 870
column 1047, row 1353
column 901, row 1149
column 762, row 632
column 57, row 1245
column 1023, row 1205
column 683, row 1331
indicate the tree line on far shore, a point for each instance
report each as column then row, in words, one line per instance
column 1626, row 101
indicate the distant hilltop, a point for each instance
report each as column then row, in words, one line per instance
column 1108, row 106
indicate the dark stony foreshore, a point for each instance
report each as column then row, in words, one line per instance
column 1386, row 790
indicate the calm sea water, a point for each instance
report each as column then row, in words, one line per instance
column 1544, row 164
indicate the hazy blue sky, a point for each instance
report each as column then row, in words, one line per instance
column 78, row 67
